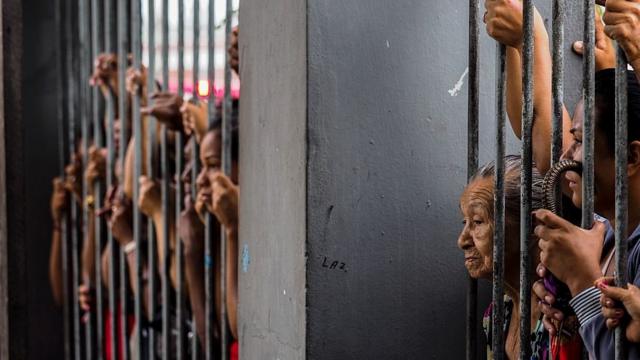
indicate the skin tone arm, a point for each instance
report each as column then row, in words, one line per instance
column 58, row 206
column 150, row 203
column 192, row 235
column 504, row 23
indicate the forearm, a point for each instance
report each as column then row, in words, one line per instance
column 194, row 271
column 514, row 90
column 55, row 266
column 88, row 251
column 232, row 279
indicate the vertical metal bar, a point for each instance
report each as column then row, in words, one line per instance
column 97, row 46
column 472, row 165
column 209, row 223
column 179, row 151
column 73, row 103
column 110, row 17
column 164, row 166
column 63, row 113
column 123, row 49
column 84, row 14
column 621, row 188
column 497, row 335
column 194, row 149
column 588, row 125
column 151, row 171
column 526, row 179
column 136, row 49
column 557, row 78
column 226, row 168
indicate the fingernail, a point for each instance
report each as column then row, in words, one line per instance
column 578, row 45
column 548, row 299
column 619, row 313
column 558, row 316
column 609, row 303
column 603, row 286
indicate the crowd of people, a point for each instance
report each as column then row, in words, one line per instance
column 580, row 258
column 217, row 194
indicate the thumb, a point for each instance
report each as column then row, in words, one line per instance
column 578, row 47
column 614, row 292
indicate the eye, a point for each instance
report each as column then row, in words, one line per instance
column 478, row 222
column 464, row 222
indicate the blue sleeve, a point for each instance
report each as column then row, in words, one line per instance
column 598, row 340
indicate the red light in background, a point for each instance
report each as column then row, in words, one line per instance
column 203, row 88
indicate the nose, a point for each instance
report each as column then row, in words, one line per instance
column 567, row 154
column 465, row 240
column 202, row 180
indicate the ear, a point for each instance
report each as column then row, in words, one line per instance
column 633, row 165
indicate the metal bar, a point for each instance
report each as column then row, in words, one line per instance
column 557, row 79
column 497, row 335
column 526, row 181
column 84, row 14
column 209, row 223
column 151, row 171
column 97, row 47
column 123, row 49
column 588, row 86
column 226, row 168
column 179, row 151
column 110, row 17
column 63, row 112
column 471, row 344
column 196, row 49
column 622, row 192
column 73, row 103
column 136, row 49
column 164, row 168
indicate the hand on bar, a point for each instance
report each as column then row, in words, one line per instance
column 96, row 167
column 622, row 23
column 571, row 253
column 150, row 200
column 59, row 201
column 166, row 109
column 546, row 301
column 121, row 220
column 620, row 305
column 605, row 53
column 105, row 74
column 194, row 119
column 136, row 83
column 503, row 19
column 224, row 200
column 73, row 178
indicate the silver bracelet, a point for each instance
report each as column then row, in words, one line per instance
column 129, row 248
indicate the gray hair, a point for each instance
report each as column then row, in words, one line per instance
column 512, row 184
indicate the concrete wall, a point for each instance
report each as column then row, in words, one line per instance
column 272, row 179
column 386, row 142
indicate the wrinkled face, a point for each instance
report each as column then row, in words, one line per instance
column 604, row 165
column 476, row 238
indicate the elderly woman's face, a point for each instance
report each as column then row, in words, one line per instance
column 476, row 238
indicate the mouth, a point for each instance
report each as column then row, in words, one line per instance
column 470, row 259
column 571, row 177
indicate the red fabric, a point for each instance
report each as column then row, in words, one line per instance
column 107, row 332
column 234, row 351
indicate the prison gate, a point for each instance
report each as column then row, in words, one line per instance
column 348, row 193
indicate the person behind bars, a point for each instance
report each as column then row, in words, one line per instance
column 576, row 256
column 476, row 241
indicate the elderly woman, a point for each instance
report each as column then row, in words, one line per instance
column 476, row 240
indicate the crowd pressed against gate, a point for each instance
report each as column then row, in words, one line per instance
column 565, row 321
column 563, row 324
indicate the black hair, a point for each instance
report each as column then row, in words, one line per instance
column 605, row 106
column 216, row 125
